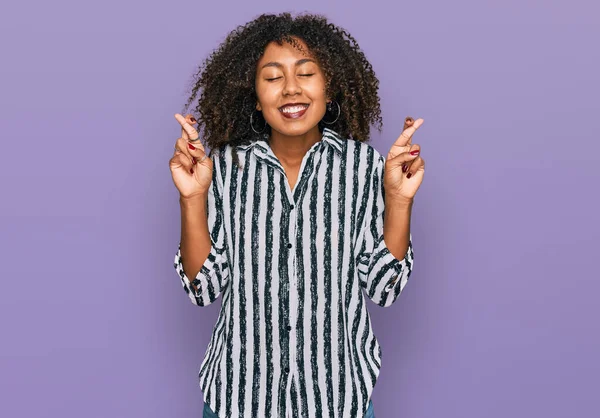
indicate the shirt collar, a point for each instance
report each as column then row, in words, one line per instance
column 330, row 137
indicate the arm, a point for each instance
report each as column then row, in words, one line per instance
column 202, row 249
column 384, row 266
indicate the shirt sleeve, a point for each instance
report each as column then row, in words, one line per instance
column 381, row 274
column 214, row 274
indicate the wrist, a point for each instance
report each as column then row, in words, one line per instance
column 193, row 200
column 399, row 202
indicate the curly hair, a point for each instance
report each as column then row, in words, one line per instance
column 226, row 79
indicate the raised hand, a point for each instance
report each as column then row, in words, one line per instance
column 190, row 167
column 404, row 166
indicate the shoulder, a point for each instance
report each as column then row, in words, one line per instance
column 368, row 148
column 220, row 151
column 227, row 150
column 223, row 154
column 366, row 152
column 227, row 158
column 221, row 160
column 363, row 149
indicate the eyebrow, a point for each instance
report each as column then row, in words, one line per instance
column 278, row 65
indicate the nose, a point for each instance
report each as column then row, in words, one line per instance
column 291, row 86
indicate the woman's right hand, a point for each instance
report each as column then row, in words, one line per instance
column 190, row 167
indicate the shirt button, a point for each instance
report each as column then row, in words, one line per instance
column 289, row 328
column 289, row 245
column 292, row 207
column 287, row 369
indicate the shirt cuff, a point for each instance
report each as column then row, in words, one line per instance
column 200, row 282
column 399, row 268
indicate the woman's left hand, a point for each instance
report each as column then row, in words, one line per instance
column 404, row 166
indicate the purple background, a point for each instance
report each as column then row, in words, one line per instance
column 500, row 317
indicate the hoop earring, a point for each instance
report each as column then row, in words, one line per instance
column 329, row 107
column 252, row 124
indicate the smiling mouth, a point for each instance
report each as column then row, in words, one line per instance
column 293, row 111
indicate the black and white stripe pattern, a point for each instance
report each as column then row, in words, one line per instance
column 293, row 337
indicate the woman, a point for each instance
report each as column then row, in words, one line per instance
column 285, row 218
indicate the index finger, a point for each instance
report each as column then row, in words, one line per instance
column 187, row 129
column 405, row 137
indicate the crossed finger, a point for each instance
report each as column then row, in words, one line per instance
column 189, row 144
column 195, row 153
column 404, row 141
column 188, row 132
column 406, row 135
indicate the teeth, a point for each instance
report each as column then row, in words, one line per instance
column 293, row 109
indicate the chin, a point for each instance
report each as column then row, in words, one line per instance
column 295, row 130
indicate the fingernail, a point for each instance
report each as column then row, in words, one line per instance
column 190, row 146
column 415, row 152
column 193, row 119
column 404, row 168
column 192, row 170
column 193, row 160
column 408, row 175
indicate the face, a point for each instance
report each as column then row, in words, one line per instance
column 290, row 87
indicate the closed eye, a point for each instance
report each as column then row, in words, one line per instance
column 301, row 75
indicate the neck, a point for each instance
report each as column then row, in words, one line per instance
column 290, row 150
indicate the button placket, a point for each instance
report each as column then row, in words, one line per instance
column 293, row 291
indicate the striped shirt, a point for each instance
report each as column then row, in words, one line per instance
column 293, row 337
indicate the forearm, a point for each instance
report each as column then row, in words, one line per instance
column 396, row 226
column 195, row 238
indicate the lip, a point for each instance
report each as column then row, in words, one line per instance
column 295, row 115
